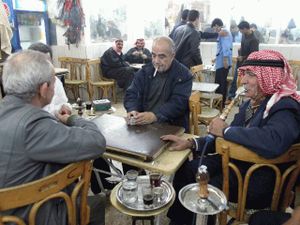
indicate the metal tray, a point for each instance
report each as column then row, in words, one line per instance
column 215, row 203
column 139, row 205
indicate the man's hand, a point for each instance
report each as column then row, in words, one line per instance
column 135, row 53
column 223, row 33
column 216, row 127
column 177, row 142
column 144, row 118
column 130, row 115
column 62, row 117
column 65, row 110
column 144, row 56
column 294, row 220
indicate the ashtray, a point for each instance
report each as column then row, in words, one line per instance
column 138, row 205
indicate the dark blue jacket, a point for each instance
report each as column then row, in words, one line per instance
column 177, row 90
column 269, row 137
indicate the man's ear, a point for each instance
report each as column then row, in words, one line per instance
column 44, row 90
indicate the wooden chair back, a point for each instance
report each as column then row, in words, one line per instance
column 199, row 114
column 97, row 80
column 229, row 150
column 37, row 193
column 78, row 76
column 195, row 110
column 295, row 64
column 197, row 72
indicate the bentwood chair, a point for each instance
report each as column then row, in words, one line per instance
column 295, row 64
column 206, row 98
column 78, row 76
column 106, row 86
column 198, row 114
column 281, row 198
column 39, row 192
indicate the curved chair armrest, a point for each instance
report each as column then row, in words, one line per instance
column 242, row 153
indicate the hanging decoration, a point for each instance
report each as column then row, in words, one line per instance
column 72, row 16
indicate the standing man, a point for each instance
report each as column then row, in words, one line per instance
column 249, row 44
column 183, row 21
column 34, row 143
column 187, row 40
column 223, row 59
column 113, row 65
column 160, row 91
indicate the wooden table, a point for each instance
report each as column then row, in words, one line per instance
column 205, row 87
column 168, row 162
column 209, row 88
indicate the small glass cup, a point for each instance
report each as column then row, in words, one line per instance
column 88, row 105
column 155, row 179
column 148, row 196
column 131, row 175
column 158, row 194
column 130, row 191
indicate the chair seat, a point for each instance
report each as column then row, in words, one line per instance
column 102, row 83
column 207, row 113
column 211, row 96
column 75, row 82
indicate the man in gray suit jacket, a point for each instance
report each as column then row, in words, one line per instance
column 33, row 143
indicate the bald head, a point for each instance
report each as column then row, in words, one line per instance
column 165, row 42
column 163, row 53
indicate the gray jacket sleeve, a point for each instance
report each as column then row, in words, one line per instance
column 48, row 140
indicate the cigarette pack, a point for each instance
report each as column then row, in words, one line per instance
column 102, row 104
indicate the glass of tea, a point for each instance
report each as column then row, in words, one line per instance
column 148, row 196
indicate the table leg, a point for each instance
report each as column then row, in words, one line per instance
column 111, row 165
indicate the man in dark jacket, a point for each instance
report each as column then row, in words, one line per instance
column 187, row 40
column 160, row 91
column 113, row 65
column 259, row 126
column 183, row 21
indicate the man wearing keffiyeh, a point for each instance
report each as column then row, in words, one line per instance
column 268, row 124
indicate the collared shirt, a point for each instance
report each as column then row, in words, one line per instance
column 224, row 49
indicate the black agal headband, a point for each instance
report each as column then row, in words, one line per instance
column 268, row 63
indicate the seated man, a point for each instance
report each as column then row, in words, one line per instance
column 268, row 124
column 159, row 91
column 138, row 54
column 60, row 99
column 114, row 66
column 33, row 143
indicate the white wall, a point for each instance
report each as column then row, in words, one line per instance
column 208, row 50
